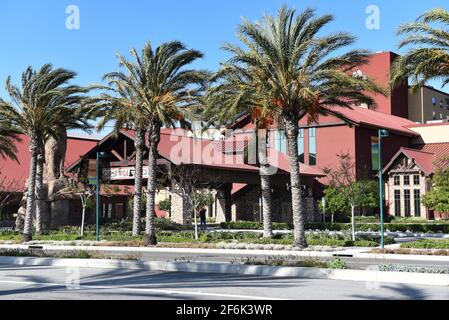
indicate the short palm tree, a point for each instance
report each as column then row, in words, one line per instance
column 159, row 87
column 297, row 73
column 428, row 55
column 123, row 108
column 232, row 97
column 38, row 107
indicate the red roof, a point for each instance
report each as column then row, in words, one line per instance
column 423, row 159
column 429, row 157
column 367, row 117
column 19, row 172
column 177, row 147
column 440, row 151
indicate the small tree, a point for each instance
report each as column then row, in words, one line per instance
column 84, row 193
column 335, row 202
column 438, row 198
column 186, row 182
column 349, row 191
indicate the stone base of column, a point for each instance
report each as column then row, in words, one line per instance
column 180, row 210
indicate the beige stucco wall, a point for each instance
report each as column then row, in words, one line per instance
column 415, row 111
column 422, row 108
column 433, row 133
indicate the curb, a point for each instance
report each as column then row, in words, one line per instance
column 354, row 253
column 370, row 277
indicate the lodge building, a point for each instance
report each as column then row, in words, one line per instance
column 416, row 148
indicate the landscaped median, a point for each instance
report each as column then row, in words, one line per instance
column 216, row 239
column 308, row 269
column 430, row 247
column 399, row 225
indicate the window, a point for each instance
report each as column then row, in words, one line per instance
column 407, row 210
column 416, row 180
column 280, row 141
column 312, row 146
column 301, row 145
column 406, row 180
column 434, row 101
column 417, row 200
column 397, row 180
column 397, row 203
column 434, row 115
column 441, row 103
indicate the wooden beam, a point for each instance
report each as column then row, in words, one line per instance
column 132, row 156
column 116, row 154
column 125, row 149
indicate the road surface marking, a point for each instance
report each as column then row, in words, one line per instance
column 167, row 292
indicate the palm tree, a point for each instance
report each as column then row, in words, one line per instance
column 160, row 88
column 232, row 97
column 123, row 108
column 429, row 59
column 37, row 109
column 298, row 73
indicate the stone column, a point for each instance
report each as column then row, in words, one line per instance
column 224, row 213
column 180, row 210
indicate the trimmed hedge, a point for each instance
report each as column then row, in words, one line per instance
column 394, row 227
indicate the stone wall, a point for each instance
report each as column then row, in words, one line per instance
column 246, row 207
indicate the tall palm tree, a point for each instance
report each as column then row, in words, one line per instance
column 38, row 107
column 299, row 73
column 231, row 97
column 123, row 108
column 428, row 57
column 162, row 88
column 71, row 115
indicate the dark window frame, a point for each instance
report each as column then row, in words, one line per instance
column 407, row 203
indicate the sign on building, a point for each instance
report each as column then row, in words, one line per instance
column 375, row 153
column 92, row 172
column 123, row 173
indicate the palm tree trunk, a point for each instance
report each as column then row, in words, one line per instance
column 139, row 144
column 31, row 194
column 150, row 227
column 295, row 181
column 39, row 190
column 265, row 182
column 266, row 205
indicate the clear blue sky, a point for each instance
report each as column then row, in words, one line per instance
column 34, row 32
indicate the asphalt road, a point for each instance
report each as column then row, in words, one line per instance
column 38, row 282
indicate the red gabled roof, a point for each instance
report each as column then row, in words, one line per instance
column 177, row 147
column 372, row 118
column 427, row 157
column 18, row 172
column 423, row 159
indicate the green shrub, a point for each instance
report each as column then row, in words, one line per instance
column 167, row 225
column 165, row 205
column 427, row 244
column 337, row 263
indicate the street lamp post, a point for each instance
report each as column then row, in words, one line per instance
column 382, row 134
